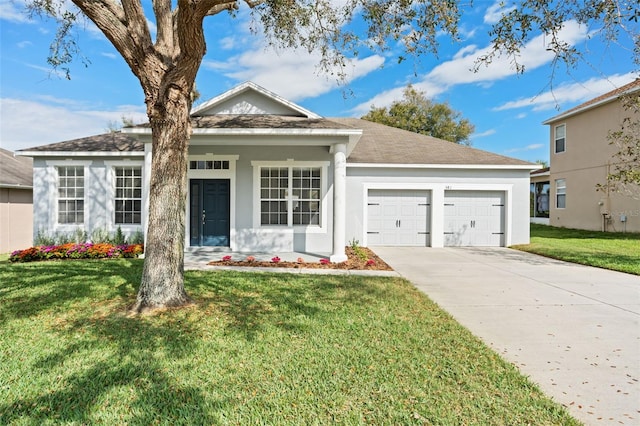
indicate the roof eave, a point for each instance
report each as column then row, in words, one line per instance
column 81, row 153
column 571, row 113
column 15, row 186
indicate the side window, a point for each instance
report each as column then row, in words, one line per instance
column 128, row 195
column 71, row 195
column 561, row 193
column 560, row 138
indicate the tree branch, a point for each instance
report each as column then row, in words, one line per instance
column 166, row 31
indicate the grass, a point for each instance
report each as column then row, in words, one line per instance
column 609, row 250
column 256, row 349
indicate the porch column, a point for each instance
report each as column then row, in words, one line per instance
column 339, row 202
column 145, row 187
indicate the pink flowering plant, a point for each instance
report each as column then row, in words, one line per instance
column 77, row 251
column 226, row 258
column 250, row 259
column 276, row 259
column 325, row 261
column 371, row 262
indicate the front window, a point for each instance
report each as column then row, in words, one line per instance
column 290, row 195
column 128, row 195
column 274, row 187
column 561, row 193
column 560, row 138
column 71, row 195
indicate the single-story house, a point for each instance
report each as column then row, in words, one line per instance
column 16, row 202
column 267, row 175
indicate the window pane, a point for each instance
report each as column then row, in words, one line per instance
column 128, row 194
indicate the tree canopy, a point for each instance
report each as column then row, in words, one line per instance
column 416, row 113
column 166, row 63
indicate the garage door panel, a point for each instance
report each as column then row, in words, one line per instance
column 474, row 218
column 401, row 220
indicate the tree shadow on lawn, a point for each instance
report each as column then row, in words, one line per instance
column 112, row 368
column 26, row 289
column 122, row 376
column 283, row 301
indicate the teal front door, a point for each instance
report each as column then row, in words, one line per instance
column 210, row 212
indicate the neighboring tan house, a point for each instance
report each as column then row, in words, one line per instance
column 16, row 202
column 581, row 158
column 267, row 175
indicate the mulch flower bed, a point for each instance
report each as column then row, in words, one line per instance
column 359, row 258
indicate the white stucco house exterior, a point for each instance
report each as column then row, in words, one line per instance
column 266, row 175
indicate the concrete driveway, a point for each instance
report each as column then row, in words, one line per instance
column 574, row 330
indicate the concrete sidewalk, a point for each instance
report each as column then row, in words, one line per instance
column 574, row 330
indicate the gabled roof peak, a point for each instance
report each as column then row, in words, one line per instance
column 283, row 106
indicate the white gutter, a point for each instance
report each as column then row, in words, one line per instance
column 446, row 166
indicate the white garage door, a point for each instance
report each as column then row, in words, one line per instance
column 473, row 218
column 398, row 218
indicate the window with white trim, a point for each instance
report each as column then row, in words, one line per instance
column 128, row 195
column 290, row 195
column 70, row 194
column 560, row 138
column 561, row 193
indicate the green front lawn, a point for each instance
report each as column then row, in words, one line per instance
column 616, row 251
column 256, row 349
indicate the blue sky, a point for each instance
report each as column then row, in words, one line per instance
column 39, row 106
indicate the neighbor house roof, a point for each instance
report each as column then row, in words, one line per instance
column 597, row 101
column 384, row 144
column 15, row 172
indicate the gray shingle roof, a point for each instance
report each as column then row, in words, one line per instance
column 107, row 142
column 384, row 144
column 379, row 144
column 259, row 121
column 15, row 171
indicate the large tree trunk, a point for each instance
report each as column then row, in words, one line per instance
column 162, row 283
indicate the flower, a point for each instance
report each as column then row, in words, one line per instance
column 275, row 259
column 250, row 259
column 371, row 262
column 226, row 258
column 325, row 261
column 300, row 260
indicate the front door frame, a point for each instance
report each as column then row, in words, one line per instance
column 229, row 174
column 197, row 219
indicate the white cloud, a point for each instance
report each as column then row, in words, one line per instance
column 14, row 11
column 459, row 70
column 292, row 74
column 109, row 55
column 24, row 44
column 495, row 11
column 56, row 121
column 483, row 134
column 570, row 93
column 531, row 147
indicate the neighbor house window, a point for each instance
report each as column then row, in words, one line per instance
column 71, row 195
column 561, row 193
column 560, row 138
column 128, row 195
column 290, row 195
